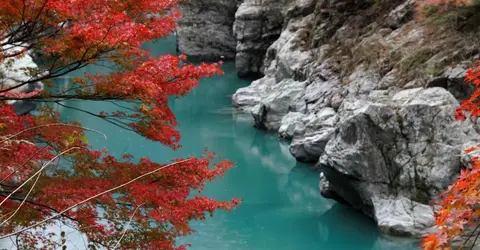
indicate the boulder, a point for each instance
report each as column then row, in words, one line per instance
column 291, row 123
column 284, row 97
column 402, row 216
column 398, row 151
column 310, row 147
column 311, row 134
column 248, row 97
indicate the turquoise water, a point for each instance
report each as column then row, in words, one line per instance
column 282, row 208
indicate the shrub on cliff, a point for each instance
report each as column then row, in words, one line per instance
column 461, row 15
column 144, row 205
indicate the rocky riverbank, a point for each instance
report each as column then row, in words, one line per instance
column 367, row 92
column 13, row 72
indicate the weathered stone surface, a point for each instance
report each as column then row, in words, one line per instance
column 284, row 97
column 402, row 216
column 401, row 14
column 388, row 145
column 205, row 30
column 404, row 148
column 257, row 25
column 452, row 79
column 309, row 147
column 311, row 133
column 14, row 74
column 290, row 123
column 248, row 97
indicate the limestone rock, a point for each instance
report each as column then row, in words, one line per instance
column 401, row 14
column 290, row 123
column 311, row 133
column 257, row 25
column 284, row 97
column 407, row 147
column 310, row 147
column 205, row 30
column 248, row 97
column 452, row 79
column 13, row 74
column 402, row 216
column 346, row 86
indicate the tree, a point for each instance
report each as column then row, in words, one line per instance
column 99, row 195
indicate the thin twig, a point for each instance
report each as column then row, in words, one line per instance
column 126, row 226
column 53, row 124
column 29, row 159
column 91, row 198
column 31, row 177
column 23, row 201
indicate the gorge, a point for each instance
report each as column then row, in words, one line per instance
column 338, row 115
column 364, row 89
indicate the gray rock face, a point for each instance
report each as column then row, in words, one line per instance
column 348, row 91
column 247, row 98
column 291, row 124
column 13, row 74
column 283, row 98
column 402, row 151
column 310, row 147
column 310, row 133
column 401, row 14
column 205, row 30
column 257, row 25
column 452, row 79
column 402, row 216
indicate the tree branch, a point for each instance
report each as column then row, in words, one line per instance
column 93, row 197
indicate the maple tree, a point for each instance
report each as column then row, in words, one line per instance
column 97, row 194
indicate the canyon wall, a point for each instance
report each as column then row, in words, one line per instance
column 366, row 91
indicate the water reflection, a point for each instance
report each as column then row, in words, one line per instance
column 301, row 192
column 281, row 209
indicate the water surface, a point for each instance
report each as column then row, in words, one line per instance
column 282, row 208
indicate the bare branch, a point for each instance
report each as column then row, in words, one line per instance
column 126, row 226
column 93, row 197
column 31, row 177
column 51, row 125
column 24, row 163
column 24, row 199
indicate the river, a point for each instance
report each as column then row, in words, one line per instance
column 282, row 208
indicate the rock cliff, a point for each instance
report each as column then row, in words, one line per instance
column 366, row 91
column 205, row 30
column 257, row 25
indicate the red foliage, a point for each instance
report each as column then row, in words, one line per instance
column 71, row 34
